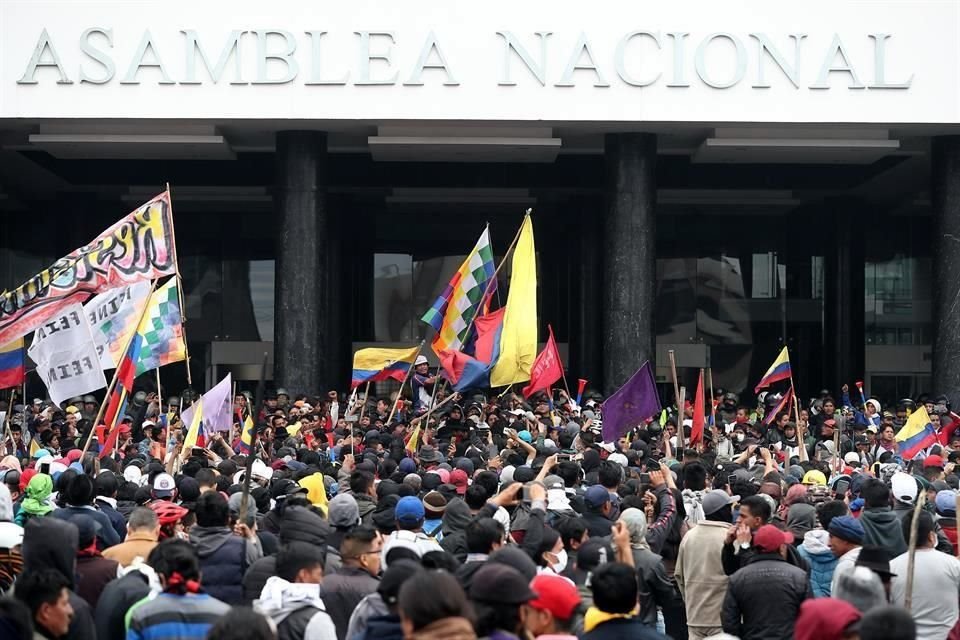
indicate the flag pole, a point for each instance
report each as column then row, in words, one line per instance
column 116, row 375
column 160, row 395
column 563, row 372
column 406, row 377
column 6, row 424
column 363, row 407
column 176, row 268
column 258, row 401
column 676, row 385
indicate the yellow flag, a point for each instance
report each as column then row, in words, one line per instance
column 414, row 442
column 518, row 340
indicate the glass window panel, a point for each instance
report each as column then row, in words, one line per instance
column 393, row 298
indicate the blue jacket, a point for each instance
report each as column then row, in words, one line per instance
column 106, row 536
column 821, row 560
column 223, row 561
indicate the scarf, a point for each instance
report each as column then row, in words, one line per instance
column 595, row 617
column 39, row 489
column 636, row 523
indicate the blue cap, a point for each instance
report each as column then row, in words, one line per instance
column 596, row 496
column 847, row 528
column 947, row 502
column 526, row 436
column 407, row 465
column 409, row 510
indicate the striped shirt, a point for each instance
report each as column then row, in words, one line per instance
column 173, row 617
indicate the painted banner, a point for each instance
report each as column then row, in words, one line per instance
column 113, row 318
column 66, row 355
column 138, row 247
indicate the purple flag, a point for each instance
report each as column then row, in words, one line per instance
column 631, row 405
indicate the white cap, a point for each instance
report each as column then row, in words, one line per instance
column 852, row 458
column 619, row 458
column 904, row 487
column 261, row 471
column 420, row 360
column 132, row 474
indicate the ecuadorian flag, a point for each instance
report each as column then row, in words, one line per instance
column 382, row 364
column 917, row 434
column 11, row 364
column 779, row 370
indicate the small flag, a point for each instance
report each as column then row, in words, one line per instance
column 470, row 372
column 246, row 435
column 696, row 429
column 161, row 330
column 547, row 368
column 779, row 370
column 581, row 385
column 195, row 415
column 382, row 364
column 631, row 404
column 11, row 364
column 454, row 310
column 777, row 410
column 414, row 440
column 917, row 434
column 122, row 390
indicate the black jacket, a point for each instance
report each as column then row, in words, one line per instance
column 51, row 543
column 115, row 600
column 343, row 591
column 383, row 628
column 763, row 599
column 116, row 518
column 257, row 576
column 598, row 525
column 656, row 588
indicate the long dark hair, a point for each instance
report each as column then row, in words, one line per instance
column 431, row 596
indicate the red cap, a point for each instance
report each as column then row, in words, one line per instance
column 768, row 538
column 830, row 422
column 73, row 455
column 933, row 461
column 824, row 619
column 458, row 478
column 555, row 594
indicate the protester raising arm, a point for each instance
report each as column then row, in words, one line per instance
column 660, row 528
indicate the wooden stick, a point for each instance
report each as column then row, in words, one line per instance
column 116, row 375
column 680, row 426
column 159, row 397
column 676, row 385
column 363, row 407
column 393, row 409
column 6, row 424
column 912, row 549
column 176, row 268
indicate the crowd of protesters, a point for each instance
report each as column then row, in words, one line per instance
column 479, row 517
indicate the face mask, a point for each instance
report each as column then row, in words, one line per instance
column 741, row 436
column 561, row 562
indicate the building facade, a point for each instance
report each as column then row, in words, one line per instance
column 718, row 179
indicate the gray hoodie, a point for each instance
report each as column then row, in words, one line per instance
column 280, row 598
column 206, row 540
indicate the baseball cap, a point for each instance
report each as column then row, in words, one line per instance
column 852, row 458
column 497, row 583
column 458, row 478
column 825, row 619
column 933, row 461
column 769, row 539
column 409, row 510
column 713, row 501
column 596, row 496
column 946, row 502
column 164, row 486
column 555, row 594
column 903, row 487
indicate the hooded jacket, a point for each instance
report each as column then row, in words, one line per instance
column 343, row 591
column 224, row 558
column 383, row 628
column 296, row 524
column 455, row 520
column 296, row 609
column 366, row 505
column 820, row 558
column 882, row 527
column 50, row 543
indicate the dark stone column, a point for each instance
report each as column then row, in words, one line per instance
column 586, row 343
column 945, row 187
column 843, row 295
column 629, row 256
column 301, row 324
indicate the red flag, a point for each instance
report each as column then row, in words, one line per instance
column 696, row 431
column 547, row 368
